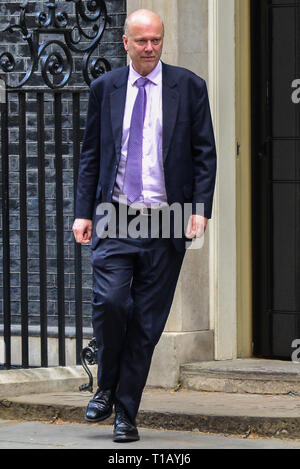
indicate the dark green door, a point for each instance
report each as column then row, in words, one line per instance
column 276, row 176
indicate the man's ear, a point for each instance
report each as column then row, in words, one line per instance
column 125, row 42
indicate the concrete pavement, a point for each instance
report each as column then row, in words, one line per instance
column 38, row 435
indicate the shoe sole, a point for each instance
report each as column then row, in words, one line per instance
column 99, row 419
column 124, row 438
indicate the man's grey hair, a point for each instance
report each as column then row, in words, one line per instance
column 127, row 24
column 126, row 27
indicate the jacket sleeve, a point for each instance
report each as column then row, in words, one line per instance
column 89, row 166
column 203, row 150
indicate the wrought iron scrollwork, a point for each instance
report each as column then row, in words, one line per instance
column 89, row 355
column 83, row 37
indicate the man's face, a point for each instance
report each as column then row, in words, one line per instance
column 144, row 44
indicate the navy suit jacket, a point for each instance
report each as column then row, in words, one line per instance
column 189, row 153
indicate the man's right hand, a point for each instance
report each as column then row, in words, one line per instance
column 82, row 229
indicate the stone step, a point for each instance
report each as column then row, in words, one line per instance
column 244, row 415
column 254, row 376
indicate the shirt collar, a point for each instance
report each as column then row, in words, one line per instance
column 155, row 76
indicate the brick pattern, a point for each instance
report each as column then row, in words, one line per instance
column 112, row 49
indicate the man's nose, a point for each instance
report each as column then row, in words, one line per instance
column 149, row 46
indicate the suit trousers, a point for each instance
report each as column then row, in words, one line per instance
column 134, row 282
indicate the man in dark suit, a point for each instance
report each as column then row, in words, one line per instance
column 148, row 143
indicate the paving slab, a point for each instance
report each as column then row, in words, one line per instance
column 185, row 410
column 39, row 435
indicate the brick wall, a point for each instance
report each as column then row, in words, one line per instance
column 112, row 49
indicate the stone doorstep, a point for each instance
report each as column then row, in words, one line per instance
column 246, row 407
column 254, row 376
column 221, row 413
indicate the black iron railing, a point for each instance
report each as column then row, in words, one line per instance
column 55, row 74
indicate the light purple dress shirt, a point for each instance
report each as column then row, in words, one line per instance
column 154, row 191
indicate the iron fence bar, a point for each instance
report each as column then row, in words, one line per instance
column 59, row 229
column 42, row 228
column 5, row 232
column 23, row 227
column 77, row 247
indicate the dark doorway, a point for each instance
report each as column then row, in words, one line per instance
column 276, row 176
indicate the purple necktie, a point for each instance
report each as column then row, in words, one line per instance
column 133, row 172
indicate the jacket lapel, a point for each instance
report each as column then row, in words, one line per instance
column 117, row 108
column 170, row 103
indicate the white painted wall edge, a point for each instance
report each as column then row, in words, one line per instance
column 223, row 271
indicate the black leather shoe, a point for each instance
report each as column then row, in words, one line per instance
column 124, row 430
column 100, row 407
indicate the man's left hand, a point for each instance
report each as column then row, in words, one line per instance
column 196, row 226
